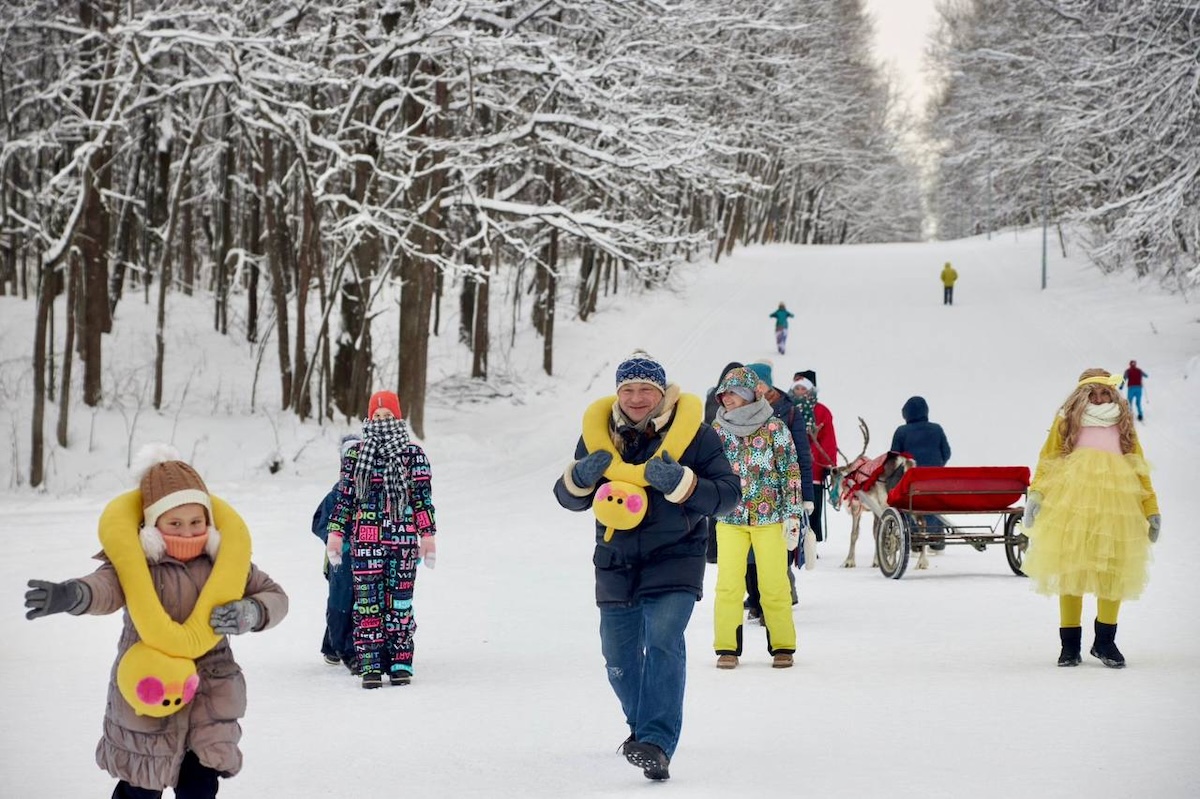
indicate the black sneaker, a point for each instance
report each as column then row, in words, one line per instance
column 650, row 759
column 332, row 660
column 372, row 679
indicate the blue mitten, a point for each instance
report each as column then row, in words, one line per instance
column 1033, row 504
column 1155, row 526
column 588, row 470
column 664, row 473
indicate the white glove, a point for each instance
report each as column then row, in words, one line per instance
column 791, row 532
column 1155, row 526
column 809, row 507
column 1033, row 504
column 427, row 551
column 333, row 549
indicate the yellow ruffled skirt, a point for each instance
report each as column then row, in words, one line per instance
column 1090, row 536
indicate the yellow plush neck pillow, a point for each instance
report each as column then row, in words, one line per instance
column 156, row 675
column 621, row 504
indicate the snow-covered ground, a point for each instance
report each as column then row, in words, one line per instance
column 941, row 684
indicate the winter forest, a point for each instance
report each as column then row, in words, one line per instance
column 316, row 171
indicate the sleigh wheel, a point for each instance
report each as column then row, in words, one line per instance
column 1015, row 543
column 895, row 543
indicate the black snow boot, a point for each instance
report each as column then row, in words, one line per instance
column 1071, row 638
column 650, row 759
column 1105, row 647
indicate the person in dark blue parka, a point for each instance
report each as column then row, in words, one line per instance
column 650, row 576
column 924, row 440
column 337, row 645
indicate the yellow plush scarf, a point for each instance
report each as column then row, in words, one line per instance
column 157, row 675
column 621, row 503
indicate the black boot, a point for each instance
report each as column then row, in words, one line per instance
column 1070, row 637
column 1105, row 647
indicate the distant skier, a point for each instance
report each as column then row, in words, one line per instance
column 781, row 315
column 1131, row 381
column 949, row 276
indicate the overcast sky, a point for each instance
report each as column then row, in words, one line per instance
column 901, row 30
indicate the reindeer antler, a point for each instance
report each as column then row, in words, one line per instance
column 866, row 434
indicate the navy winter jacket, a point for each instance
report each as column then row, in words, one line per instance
column 666, row 551
column 924, row 440
column 786, row 410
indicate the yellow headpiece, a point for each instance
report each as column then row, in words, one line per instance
column 1112, row 381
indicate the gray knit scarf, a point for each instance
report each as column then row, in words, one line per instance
column 382, row 442
column 747, row 419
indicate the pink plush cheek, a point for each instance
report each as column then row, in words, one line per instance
column 151, row 690
column 604, row 491
column 634, row 504
column 189, row 687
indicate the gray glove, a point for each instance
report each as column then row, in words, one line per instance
column 1155, row 526
column 44, row 598
column 1033, row 504
column 237, row 617
column 664, row 473
column 588, row 470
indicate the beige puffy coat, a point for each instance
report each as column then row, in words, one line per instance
column 146, row 751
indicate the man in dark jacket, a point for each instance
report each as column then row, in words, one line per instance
column 649, row 577
column 926, row 442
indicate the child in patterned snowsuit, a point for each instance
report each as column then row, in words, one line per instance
column 386, row 508
column 1096, row 515
column 760, row 448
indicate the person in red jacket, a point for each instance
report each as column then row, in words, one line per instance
column 1132, row 382
column 822, row 440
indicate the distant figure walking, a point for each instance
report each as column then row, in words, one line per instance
column 1132, row 382
column 781, row 315
column 949, row 275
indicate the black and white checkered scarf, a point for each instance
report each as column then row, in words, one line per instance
column 382, row 441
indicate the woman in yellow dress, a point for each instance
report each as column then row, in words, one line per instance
column 1091, row 515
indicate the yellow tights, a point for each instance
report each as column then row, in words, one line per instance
column 1070, row 610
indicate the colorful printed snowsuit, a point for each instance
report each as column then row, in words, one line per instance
column 383, row 559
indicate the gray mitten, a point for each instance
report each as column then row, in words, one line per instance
column 237, row 617
column 664, row 473
column 44, row 598
column 588, row 470
column 1033, row 504
column 1155, row 526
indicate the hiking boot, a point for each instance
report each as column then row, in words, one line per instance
column 1105, row 647
column 1070, row 637
column 727, row 662
column 782, row 660
column 372, row 679
column 652, row 760
column 332, row 660
column 399, row 677
column 625, row 744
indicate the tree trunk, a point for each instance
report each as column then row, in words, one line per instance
column 74, row 309
column 37, row 444
column 275, row 261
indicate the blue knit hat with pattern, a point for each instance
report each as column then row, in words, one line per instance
column 641, row 368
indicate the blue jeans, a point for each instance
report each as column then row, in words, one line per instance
column 1135, row 396
column 646, row 658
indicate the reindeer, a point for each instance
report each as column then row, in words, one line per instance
column 881, row 473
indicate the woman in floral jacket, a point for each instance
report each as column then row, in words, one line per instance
column 760, row 449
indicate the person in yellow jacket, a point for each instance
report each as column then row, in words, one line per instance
column 949, row 275
column 1091, row 515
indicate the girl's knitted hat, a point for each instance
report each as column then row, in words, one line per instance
column 384, row 399
column 167, row 482
column 741, row 381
